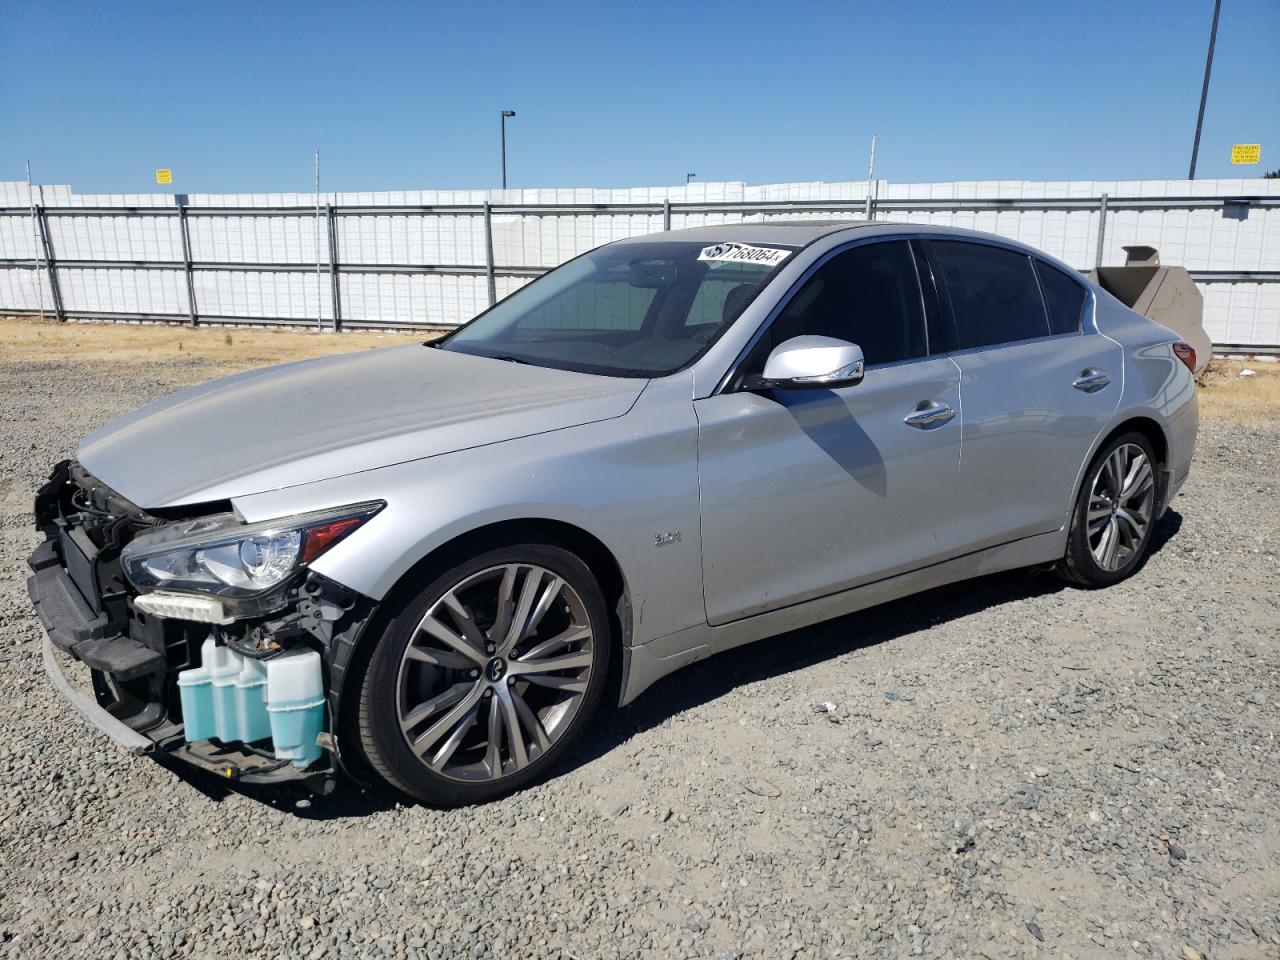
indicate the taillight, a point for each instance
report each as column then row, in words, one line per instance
column 1187, row 354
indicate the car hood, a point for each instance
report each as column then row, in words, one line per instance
column 316, row 419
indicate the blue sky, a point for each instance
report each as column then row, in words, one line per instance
column 236, row 96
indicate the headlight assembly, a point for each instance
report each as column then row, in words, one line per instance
column 247, row 565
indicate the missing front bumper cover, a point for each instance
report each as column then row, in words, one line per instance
column 227, row 761
column 135, row 655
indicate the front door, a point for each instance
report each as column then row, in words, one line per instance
column 808, row 492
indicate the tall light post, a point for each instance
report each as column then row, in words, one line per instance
column 502, row 121
column 688, row 177
column 1204, row 90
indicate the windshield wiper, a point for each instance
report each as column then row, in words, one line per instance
column 513, row 360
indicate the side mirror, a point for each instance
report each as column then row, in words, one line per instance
column 811, row 362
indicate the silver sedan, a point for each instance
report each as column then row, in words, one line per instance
column 432, row 565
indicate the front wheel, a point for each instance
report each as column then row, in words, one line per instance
column 1114, row 515
column 485, row 678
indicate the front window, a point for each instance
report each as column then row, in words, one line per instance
column 629, row 310
column 868, row 295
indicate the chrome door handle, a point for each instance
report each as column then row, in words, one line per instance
column 929, row 414
column 1091, row 380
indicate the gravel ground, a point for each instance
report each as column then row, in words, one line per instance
column 1004, row 768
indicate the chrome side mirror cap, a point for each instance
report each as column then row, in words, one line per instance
column 812, row 362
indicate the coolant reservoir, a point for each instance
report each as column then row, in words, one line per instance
column 295, row 703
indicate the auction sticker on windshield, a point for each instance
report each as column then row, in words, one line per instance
column 744, row 253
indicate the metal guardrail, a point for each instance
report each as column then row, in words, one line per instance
column 47, row 259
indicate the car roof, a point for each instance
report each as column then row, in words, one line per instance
column 789, row 232
column 800, row 233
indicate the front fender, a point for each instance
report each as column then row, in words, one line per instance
column 629, row 482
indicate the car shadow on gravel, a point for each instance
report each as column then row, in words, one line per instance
column 348, row 799
column 704, row 681
column 784, row 653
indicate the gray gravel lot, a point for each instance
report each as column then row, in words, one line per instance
column 1007, row 769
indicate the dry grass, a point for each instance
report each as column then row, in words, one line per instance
column 1226, row 395
column 30, row 339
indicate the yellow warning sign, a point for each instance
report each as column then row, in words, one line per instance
column 164, row 175
column 1246, row 152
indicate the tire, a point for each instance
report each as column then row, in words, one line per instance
column 1114, row 514
column 461, row 703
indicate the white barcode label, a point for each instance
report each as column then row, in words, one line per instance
column 744, row 253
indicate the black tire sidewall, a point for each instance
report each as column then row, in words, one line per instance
column 383, row 738
column 1079, row 557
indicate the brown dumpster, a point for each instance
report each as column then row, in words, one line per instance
column 1167, row 295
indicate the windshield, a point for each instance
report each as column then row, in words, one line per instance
column 630, row 310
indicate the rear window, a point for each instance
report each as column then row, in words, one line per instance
column 1063, row 298
column 994, row 294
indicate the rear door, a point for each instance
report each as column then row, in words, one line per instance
column 1037, row 385
column 808, row 492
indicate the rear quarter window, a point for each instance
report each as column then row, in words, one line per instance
column 994, row 295
column 1063, row 298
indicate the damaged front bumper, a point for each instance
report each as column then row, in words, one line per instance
column 134, row 658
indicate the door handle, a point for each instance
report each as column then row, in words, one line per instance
column 929, row 414
column 1091, row 380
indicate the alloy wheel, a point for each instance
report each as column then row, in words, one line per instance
column 1121, row 501
column 495, row 672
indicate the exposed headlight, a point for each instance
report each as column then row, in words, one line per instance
column 222, row 557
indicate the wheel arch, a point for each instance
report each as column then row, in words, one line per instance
column 503, row 533
column 1142, row 423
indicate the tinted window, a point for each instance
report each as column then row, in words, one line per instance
column 1063, row 298
column 869, row 296
column 636, row 309
column 606, row 300
column 994, row 294
column 720, row 299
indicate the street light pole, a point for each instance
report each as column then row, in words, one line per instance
column 1204, row 90
column 502, row 121
column 688, row 177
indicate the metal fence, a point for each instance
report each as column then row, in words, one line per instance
column 359, row 261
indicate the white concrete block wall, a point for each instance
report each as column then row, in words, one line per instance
column 18, row 238
column 122, row 290
column 255, row 239
column 1200, row 239
column 389, row 297
column 410, row 239
column 115, row 238
column 256, row 295
column 22, row 290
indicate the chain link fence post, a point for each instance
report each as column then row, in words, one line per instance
column 55, row 286
column 192, row 309
column 1102, row 228
column 334, row 284
column 489, row 271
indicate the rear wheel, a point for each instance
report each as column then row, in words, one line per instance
column 485, row 678
column 1114, row 514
